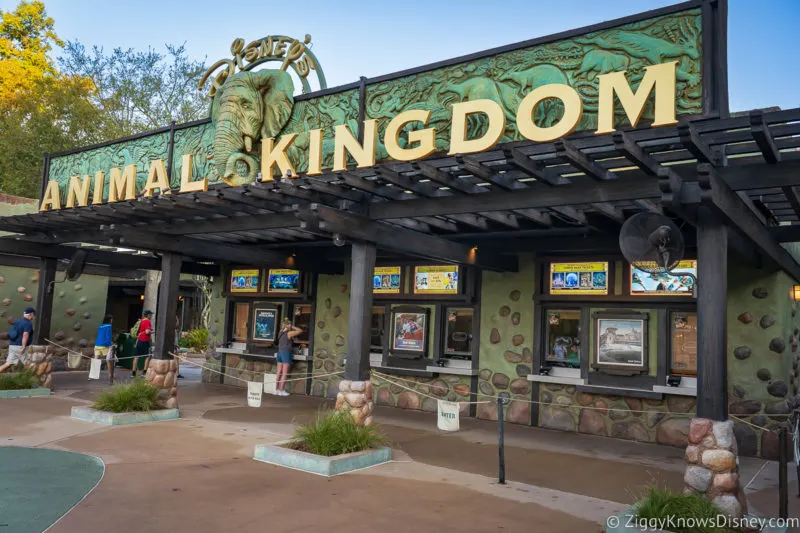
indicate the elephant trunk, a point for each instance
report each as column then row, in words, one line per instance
column 230, row 146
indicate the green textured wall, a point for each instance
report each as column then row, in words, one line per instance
column 330, row 333
column 216, row 328
column 506, row 341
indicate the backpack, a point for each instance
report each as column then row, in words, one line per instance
column 135, row 329
column 13, row 332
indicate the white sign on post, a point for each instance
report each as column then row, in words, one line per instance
column 254, row 390
column 94, row 369
column 448, row 416
column 269, row 383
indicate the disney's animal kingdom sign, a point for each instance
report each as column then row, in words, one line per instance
column 619, row 75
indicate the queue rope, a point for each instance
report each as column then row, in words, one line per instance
column 215, row 371
column 90, row 357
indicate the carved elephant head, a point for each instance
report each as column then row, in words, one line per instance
column 248, row 107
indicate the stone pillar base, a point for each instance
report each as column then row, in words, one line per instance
column 713, row 466
column 163, row 374
column 40, row 360
column 355, row 397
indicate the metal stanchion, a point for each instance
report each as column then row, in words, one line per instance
column 500, row 441
column 783, row 488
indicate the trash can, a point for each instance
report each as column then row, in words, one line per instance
column 125, row 345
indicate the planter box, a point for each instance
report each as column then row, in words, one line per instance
column 625, row 523
column 278, row 454
column 25, row 393
column 119, row 419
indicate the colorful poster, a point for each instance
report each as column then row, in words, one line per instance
column 409, row 332
column 386, row 280
column 283, row 281
column 244, row 280
column 684, row 344
column 264, row 321
column 579, row 278
column 436, row 279
column 620, row 342
column 664, row 284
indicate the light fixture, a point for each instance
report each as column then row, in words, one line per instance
column 796, row 293
column 141, row 297
column 338, row 240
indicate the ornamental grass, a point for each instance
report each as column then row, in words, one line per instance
column 336, row 433
column 136, row 396
column 683, row 508
column 24, row 380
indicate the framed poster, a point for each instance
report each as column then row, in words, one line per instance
column 436, row 279
column 620, row 342
column 386, row 280
column 684, row 343
column 283, row 281
column 243, row 281
column 265, row 321
column 579, row 278
column 663, row 284
column 409, row 330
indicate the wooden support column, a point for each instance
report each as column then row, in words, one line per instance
column 44, row 300
column 358, row 333
column 167, row 306
column 712, row 302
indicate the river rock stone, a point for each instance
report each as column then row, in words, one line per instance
column 764, row 374
column 564, row 401
column 527, row 355
column 769, row 445
column 500, row 381
column 719, row 460
column 593, row 423
column 485, row 388
column 727, row 482
column 698, row 478
column 321, row 324
column 724, row 435
column 83, row 343
column 408, row 400
column 519, row 412
column 60, row 336
column 513, row 357
column 742, row 352
column 326, row 336
column 778, row 388
column 505, row 310
column 384, row 396
column 484, row 374
column 777, row 345
column 439, row 388
column 634, row 404
column 698, row 429
column 337, row 311
column 83, row 300
column 739, row 391
column 654, row 417
column 430, row 405
column 329, row 366
column 630, row 431
column 328, row 303
column 514, row 296
column 461, row 389
column 767, row 321
column 692, row 454
column 745, row 318
column 343, row 288
column 777, row 408
column 515, row 319
column 517, row 340
column 746, row 407
column 20, row 289
column 759, row 420
column 546, row 397
column 6, row 301
column 494, row 336
column 556, row 418
column 728, row 504
column 523, row 371
column 617, row 414
column 340, row 340
column 520, row 386
column 760, row 293
column 70, row 312
column 680, row 404
column 673, row 432
column 601, row 406
column 28, row 297
column 746, row 440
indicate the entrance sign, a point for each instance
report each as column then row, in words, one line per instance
column 283, row 281
column 436, row 279
column 264, row 322
column 448, row 419
column 579, row 278
column 244, row 281
column 613, row 75
column 386, row 280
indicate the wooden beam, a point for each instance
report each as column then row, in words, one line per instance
column 360, row 318
column 583, row 162
column 446, row 179
column 167, row 306
column 763, row 138
column 691, row 140
column 44, row 300
column 230, row 224
column 609, row 211
column 724, row 201
column 397, row 239
column 533, row 169
column 628, row 147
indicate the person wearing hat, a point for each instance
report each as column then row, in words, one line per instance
column 20, row 337
column 142, row 347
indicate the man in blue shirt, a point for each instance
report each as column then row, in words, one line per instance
column 20, row 337
column 103, row 344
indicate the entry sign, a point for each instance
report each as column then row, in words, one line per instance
column 269, row 383
column 94, row 369
column 254, row 389
column 448, row 416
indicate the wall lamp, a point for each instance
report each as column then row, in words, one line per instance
column 796, row 293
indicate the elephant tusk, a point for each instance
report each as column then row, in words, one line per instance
column 248, row 143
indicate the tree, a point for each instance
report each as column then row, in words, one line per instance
column 138, row 91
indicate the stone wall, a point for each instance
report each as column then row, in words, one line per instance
column 506, row 339
column 447, row 387
column 330, row 332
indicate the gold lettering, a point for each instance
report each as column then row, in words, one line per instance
column 52, row 197
column 78, row 191
column 187, row 185
column 573, row 109
column 122, row 184
column 279, row 49
column 275, row 155
column 314, row 152
column 236, row 49
column 344, row 142
column 156, row 179
column 459, row 144
column 266, row 47
column 658, row 79
column 251, row 51
column 296, row 49
column 99, row 184
column 425, row 138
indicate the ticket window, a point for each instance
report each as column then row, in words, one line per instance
column 302, row 319
column 563, row 348
column 241, row 314
column 458, row 337
column 377, row 328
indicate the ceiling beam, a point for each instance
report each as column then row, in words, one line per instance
column 230, row 224
column 583, row 162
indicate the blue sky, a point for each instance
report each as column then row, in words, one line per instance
column 369, row 38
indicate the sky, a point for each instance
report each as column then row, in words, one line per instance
column 354, row 38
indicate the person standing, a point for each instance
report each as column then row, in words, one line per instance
column 178, row 339
column 103, row 346
column 284, row 356
column 20, row 337
column 142, row 347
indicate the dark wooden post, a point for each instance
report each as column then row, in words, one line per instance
column 44, row 300
column 712, row 331
column 358, row 334
column 167, row 305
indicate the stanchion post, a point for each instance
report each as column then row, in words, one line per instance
column 783, row 488
column 500, row 442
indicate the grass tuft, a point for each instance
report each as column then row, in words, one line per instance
column 24, row 380
column 664, row 503
column 136, row 396
column 335, row 433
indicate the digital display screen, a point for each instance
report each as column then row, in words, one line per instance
column 579, row 278
column 264, row 321
column 283, row 281
column 244, row 280
column 386, row 280
column 663, row 283
column 436, row 279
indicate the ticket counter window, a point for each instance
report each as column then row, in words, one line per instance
column 563, row 328
column 241, row 312
column 458, row 339
column 683, row 340
column 302, row 319
column 377, row 328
